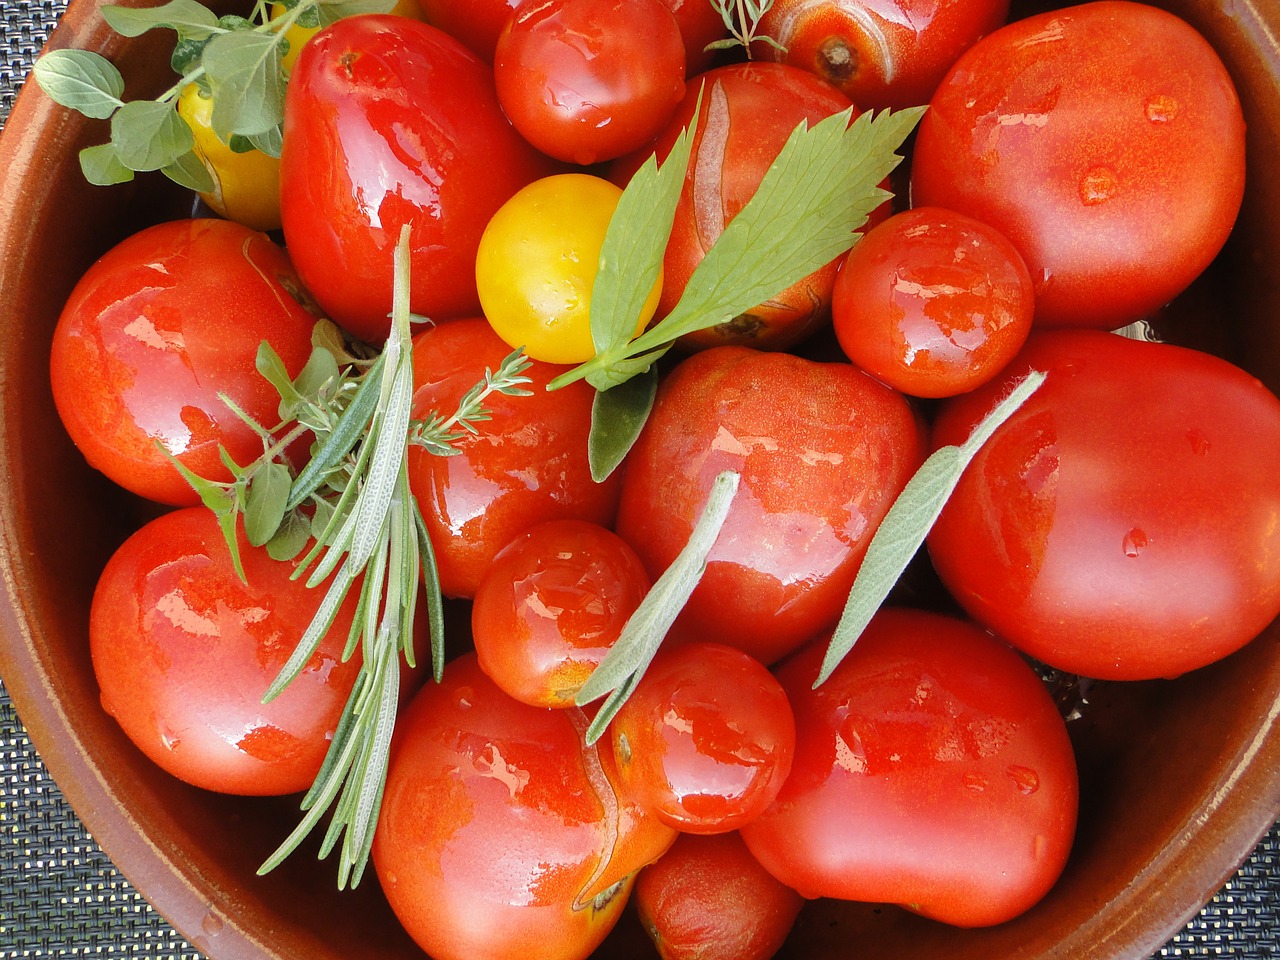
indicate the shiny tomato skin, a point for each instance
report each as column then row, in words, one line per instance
column 708, row 898
column 706, row 739
column 184, row 650
column 878, row 53
column 586, row 81
column 384, row 121
column 1121, row 525
column 550, row 607
column 700, row 25
column 152, row 334
column 476, row 23
column 933, row 771
column 497, row 820
column 1105, row 140
column 525, row 465
column 748, row 111
column 932, row 302
column 822, row 449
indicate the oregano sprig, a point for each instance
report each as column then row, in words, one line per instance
column 236, row 60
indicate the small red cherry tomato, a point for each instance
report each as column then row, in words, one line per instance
column 154, row 333
column 932, row 302
column 184, row 651
column 822, row 449
column 550, row 607
column 1122, row 523
column 1105, row 140
column 526, row 464
column 708, row 898
column 933, row 771
column 705, row 740
column 879, row 53
column 586, row 81
column 501, row 833
column 390, row 122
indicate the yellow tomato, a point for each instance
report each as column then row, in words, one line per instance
column 297, row 36
column 246, row 186
column 537, row 262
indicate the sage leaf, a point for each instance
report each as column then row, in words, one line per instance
column 191, row 19
column 247, row 81
column 82, row 81
column 102, row 167
column 149, row 135
column 264, row 508
column 189, row 171
column 617, row 417
column 908, row 522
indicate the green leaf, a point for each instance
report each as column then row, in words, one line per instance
column 290, row 538
column 191, row 19
column 624, row 664
column 81, row 80
column 102, row 166
column 189, row 171
column 149, row 135
column 247, row 81
column 909, row 521
column 331, row 11
column 264, row 508
column 321, row 369
column 635, row 242
column 617, row 417
column 271, row 368
column 270, row 142
column 186, row 58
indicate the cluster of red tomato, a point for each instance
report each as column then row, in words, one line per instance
column 1080, row 168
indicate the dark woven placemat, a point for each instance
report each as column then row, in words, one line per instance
column 60, row 897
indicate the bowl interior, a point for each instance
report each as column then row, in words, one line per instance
column 1180, row 778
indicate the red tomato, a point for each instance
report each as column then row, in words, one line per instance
column 822, row 449
column 705, row 740
column 933, row 770
column 586, row 81
column 708, row 898
column 879, row 53
column 385, row 120
column 155, row 331
column 476, row 23
column 700, row 25
column 1106, row 141
column 748, row 112
column 932, row 302
column 525, row 465
column 1122, row 524
column 550, row 607
column 501, row 834
column 184, row 650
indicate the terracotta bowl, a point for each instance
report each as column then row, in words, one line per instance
column 1180, row 778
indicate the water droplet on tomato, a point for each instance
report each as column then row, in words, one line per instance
column 1135, row 541
column 1098, row 186
column 1162, row 108
column 975, row 782
column 1024, row 778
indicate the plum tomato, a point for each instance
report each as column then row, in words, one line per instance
column 822, row 449
column 586, row 80
column 385, row 120
column 879, row 53
column 537, row 261
column 297, row 35
column 700, row 26
column 748, row 112
column 246, row 184
column 1122, row 524
column 501, row 833
column 526, row 464
column 933, row 771
column 708, row 898
column 1105, row 140
column 550, row 607
column 932, row 302
column 184, row 650
column 475, row 23
column 705, row 740
column 156, row 330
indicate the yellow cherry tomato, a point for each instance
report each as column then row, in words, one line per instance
column 297, row 35
column 246, row 186
column 537, row 262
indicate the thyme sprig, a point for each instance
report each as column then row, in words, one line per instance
column 742, row 20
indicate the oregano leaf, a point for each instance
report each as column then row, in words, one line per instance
column 290, row 537
column 149, row 135
column 190, row 19
column 908, row 522
column 189, row 171
column 331, row 11
column 81, row 80
column 247, row 81
column 270, row 142
column 102, row 167
column 617, row 417
column 264, row 507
